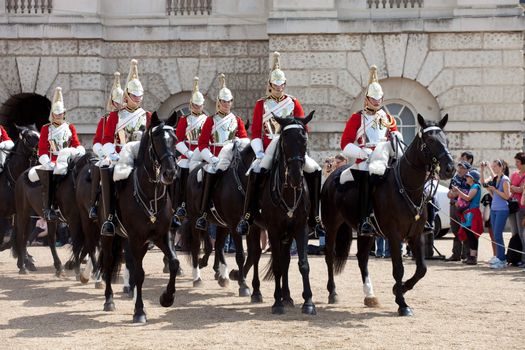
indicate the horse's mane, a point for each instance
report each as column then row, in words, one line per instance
column 143, row 146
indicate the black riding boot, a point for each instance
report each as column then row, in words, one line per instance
column 180, row 199
column 313, row 180
column 108, row 227
column 95, row 192
column 250, row 203
column 365, row 204
column 48, row 194
column 209, row 182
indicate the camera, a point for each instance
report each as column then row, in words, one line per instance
column 486, row 185
column 484, row 163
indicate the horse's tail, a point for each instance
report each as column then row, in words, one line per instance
column 77, row 246
column 116, row 252
column 268, row 271
column 343, row 241
column 186, row 237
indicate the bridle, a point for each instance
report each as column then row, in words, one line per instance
column 151, row 206
column 278, row 185
column 433, row 169
column 26, row 147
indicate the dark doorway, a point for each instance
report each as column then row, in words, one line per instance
column 24, row 109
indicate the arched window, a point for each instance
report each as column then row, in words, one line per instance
column 405, row 119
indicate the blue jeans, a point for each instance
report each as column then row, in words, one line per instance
column 498, row 218
column 383, row 247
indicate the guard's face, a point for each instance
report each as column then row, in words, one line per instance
column 225, row 106
column 58, row 118
column 196, row 109
column 277, row 90
column 374, row 102
column 133, row 100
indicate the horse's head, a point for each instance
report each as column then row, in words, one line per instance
column 293, row 142
column 433, row 148
column 162, row 144
column 29, row 138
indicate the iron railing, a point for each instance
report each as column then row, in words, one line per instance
column 383, row 4
column 28, row 6
column 188, row 7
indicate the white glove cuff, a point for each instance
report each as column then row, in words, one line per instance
column 44, row 159
column 182, row 148
column 353, row 151
column 207, row 155
column 257, row 145
column 108, row 148
column 81, row 151
column 97, row 149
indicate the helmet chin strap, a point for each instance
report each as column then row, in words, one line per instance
column 369, row 108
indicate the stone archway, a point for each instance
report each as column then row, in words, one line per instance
column 177, row 104
column 24, row 109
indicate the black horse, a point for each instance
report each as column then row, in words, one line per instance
column 399, row 210
column 144, row 211
column 227, row 205
column 19, row 159
column 285, row 204
column 29, row 202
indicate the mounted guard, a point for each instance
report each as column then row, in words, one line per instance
column 189, row 129
column 365, row 141
column 219, row 133
column 265, row 135
column 6, row 144
column 114, row 104
column 58, row 143
column 121, row 127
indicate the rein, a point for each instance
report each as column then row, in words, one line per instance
column 277, row 191
column 234, row 165
column 417, row 209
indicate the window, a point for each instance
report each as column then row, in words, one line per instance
column 405, row 119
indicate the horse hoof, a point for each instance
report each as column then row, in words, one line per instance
column 371, row 302
column 109, row 306
column 23, row 271
column 217, row 275
column 60, row 273
column 223, row 282
column 83, row 279
column 31, row 267
column 180, row 272
column 99, row 285
column 405, row 311
column 234, row 275
column 141, row 318
column 203, row 263
column 244, row 292
column 166, row 269
column 197, row 283
column 332, row 299
column 256, row 298
column 288, row 302
column 166, row 300
column 308, row 309
column 278, row 310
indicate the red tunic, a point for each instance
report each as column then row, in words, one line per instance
column 181, row 134
column 257, row 120
column 352, row 126
column 100, row 129
column 43, row 142
column 206, row 137
column 3, row 135
column 111, row 127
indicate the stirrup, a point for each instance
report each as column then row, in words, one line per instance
column 201, row 223
column 108, row 227
column 93, row 212
column 366, row 229
column 176, row 221
column 181, row 212
column 243, row 227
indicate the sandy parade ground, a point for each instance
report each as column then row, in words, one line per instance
column 455, row 306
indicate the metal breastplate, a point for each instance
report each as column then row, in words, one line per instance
column 271, row 127
column 225, row 132
column 375, row 130
column 59, row 140
column 194, row 129
column 133, row 130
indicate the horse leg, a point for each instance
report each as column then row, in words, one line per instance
column 195, row 249
column 208, row 249
column 329, row 253
column 108, row 263
column 99, row 283
column 223, row 277
column 302, row 250
column 51, row 237
column 130, row 282
column 244, row 290
column 83, row 276
column 166, row 299
column 22, row 229
column 139, row 251
column 364, row 244
column 285, row 266
column 398, row 272
column 254, row 251
column 421, row 267
column 278, row 306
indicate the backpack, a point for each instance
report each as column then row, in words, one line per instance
column 514, row 258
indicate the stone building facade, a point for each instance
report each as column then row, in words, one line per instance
column 461, row 57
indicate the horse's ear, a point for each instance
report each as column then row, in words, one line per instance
column 281, row 121
column 443, row 121
column 421, row 121
column 154, row 119
column 308, row 118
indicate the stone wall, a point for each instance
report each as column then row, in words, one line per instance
column 477, row 78
column 84, row 69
